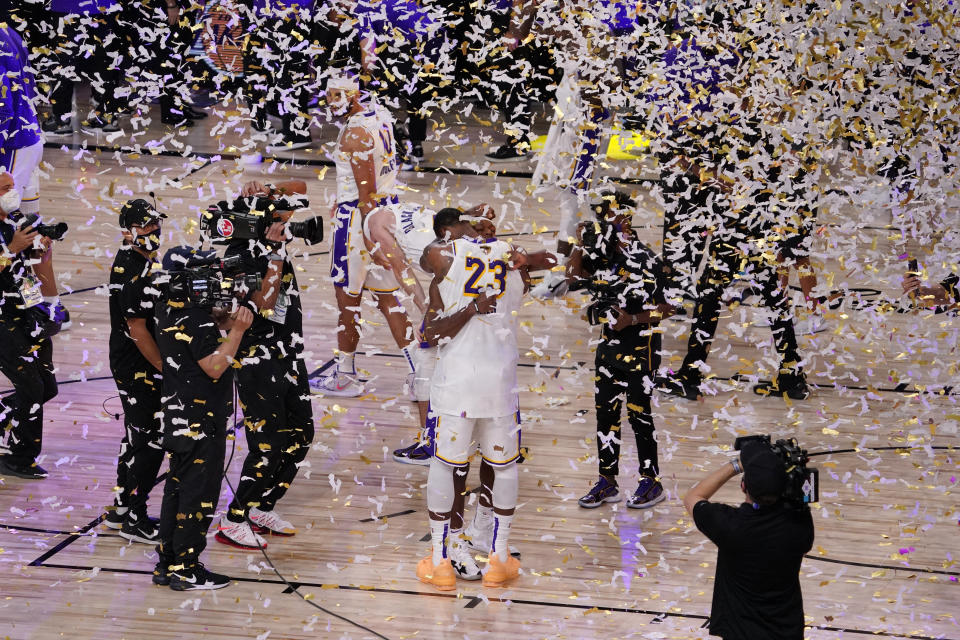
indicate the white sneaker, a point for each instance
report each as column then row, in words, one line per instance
column 479, row 538
column 553, row 285
column 268, row 522
column 239, row 535
column 462, row 560
column 336, row 384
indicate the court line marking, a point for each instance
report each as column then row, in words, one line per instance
column 565, row 605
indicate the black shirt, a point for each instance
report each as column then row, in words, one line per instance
column 637, row 270
column 756, row 592
column 10, row 277
column 279, row 331
column 132, row 295
column 194, row 405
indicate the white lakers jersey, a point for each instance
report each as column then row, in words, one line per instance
column 476, row 373
column 413, row 229
column 378, row 123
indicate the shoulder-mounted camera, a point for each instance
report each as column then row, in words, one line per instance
column 249, row 219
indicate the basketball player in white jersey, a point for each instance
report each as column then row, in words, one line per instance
column 366, row 164
column 472, row 316
column 396, row 237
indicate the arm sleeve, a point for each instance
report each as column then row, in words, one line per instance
column 713, row 520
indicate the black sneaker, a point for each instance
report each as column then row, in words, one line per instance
column 791, row 385
column 98, row 123
column 31, row 471
column 175, row 118
column 680, row 387
column 649, row 492
column 140, row 529
column 509, row 151
column 161, row 573
column 113, row 518
column 197, row 578
column 601, row 492
column 194, row 114
column 56, row 126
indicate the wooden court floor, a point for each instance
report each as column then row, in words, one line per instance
column 882, row 425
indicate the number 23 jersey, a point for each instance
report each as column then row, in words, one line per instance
column 476, row 373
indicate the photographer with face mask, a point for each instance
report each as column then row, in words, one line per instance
column 135, row 364
column 272, row 381
column 26, row 358
column 198, row 343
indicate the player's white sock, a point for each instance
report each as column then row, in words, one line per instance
column 408, row 355
column 440, row 500
column 505, row 484
column 439, row 530
column 346, row 363
column 501, row 536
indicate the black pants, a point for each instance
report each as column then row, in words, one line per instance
column 278, row 422
column 190, row 498
column 611, row 385
column 724, row 262
column 141, row 455
column 86, row 48
column 28, row 364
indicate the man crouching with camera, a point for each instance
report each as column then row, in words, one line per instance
column 623, row 276
column 272, row 381
column 197, row 403
column 761, row 543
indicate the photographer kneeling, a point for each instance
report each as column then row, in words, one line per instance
column 272, row 381
column 27, row 320
column 623, row 276
column 197, row 403
column 760, row 544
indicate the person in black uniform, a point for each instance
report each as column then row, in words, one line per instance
column 272, row 385
column 625, row 278
column 760, row 545
column 135, row 365
column 197, row 403
column 26, row 358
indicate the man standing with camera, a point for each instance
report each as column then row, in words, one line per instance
column 624, row 277
column 135, row 364
column 272, row 381
column 26, row 358
column 197, row 403
column 760, row 546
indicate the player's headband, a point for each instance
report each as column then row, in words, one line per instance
column 343, row 83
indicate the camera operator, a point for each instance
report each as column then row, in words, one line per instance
column 624, row 277
column 27, row 354
column 272, row 382
column 197, row 403
column 135, row 364
column 760, row 545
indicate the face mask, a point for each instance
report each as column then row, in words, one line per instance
column 339, row 108
column 149, row 242
column 10, row 201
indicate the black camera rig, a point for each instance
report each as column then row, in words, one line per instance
column 250, row 218
column 803, row 482
column 208, row 282
column 53, row 231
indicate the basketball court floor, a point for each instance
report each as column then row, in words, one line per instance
column 881, row 425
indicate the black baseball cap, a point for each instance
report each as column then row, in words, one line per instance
column 177, row 258
column 764, row 473
column 139, row 213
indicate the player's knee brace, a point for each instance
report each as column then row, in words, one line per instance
column 505, row 484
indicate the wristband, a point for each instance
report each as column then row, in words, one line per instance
column 737, row 469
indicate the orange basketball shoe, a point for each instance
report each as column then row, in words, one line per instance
column 499, row 573
column 441, row 576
